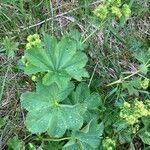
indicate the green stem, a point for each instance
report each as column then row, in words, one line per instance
column 101, row 25
column 89, row 36
column 127, row 77
column 54, row 140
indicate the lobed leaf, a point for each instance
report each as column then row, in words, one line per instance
column 47, row 113
column 86, row 139
column 91, row 101
column 60, row 61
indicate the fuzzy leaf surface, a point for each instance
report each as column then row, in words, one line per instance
column 60, row 61
column 86, row 139
column 91, row 101
column 47, row 113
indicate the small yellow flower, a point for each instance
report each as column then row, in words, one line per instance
column 117, row 3
column 30, row 38
column 134, row 130
column 147, row 102
column 35, row 36
column 145, row 112
column 23, row 59
column 33, row 78
column 33, row 43
column 116, row 11
column 110, row 148
column 109, row 143
column 132, row 113
column 27, row 64
column 131, row 120
column 101, row 12
column 38, row 41
column 33, row 40
column 126, row 104
column 126, row 10
column 144, row 83
column 28, row 46
column 121, row 114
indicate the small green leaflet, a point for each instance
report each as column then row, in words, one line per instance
column 143, row 68
column 60, row 61
column 86, row 139
column 46, row 111
column 10, row 47
column 142, row 56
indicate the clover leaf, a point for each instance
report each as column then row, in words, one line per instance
column 86, row 139
column 60, row 61
column 46, row 111
column 91, row 101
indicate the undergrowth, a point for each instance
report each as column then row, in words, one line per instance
column 74, row 75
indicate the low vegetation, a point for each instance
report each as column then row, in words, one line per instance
column 75, row 75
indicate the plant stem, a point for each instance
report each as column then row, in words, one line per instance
column 55, row 140
column 127, row 77
column 89, row 36
column 101, row 25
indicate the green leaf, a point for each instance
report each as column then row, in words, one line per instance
column 15, row 144
column 52, row 146
column 90, row 101
column 132, row 86
column 141, row 56
column 87, row 139
column 60, row 61
column 143, row 68
column 83, row 95
column 146, row 121
column 9, row 47
column 120, row 125
column 132, row 146
column 3, row 121
column 145, row 136
column 31, row 147
column 46, row 111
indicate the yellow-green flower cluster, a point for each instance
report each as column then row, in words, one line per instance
column 135, row 129
column 112, row 7
column 101, row 12
column 109, row 144
column 33, row 78
column 116, row 3
column 126, row 10
column 144, row 83
column 132, row 112
column 147, row 102
column 116, row 11
column 33, row 40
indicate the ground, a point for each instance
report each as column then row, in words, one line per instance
column 113, row 51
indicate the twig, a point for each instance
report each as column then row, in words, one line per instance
column 127, row 77
column 92, row 74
